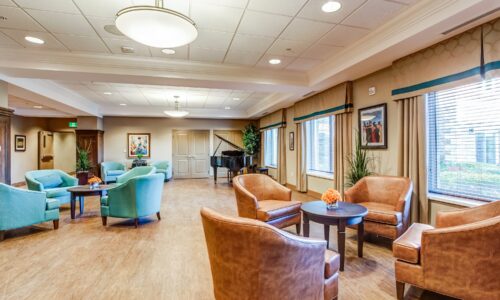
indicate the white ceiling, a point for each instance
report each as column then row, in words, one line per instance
column 241, row 32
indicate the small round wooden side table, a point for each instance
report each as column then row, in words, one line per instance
column 84, row 190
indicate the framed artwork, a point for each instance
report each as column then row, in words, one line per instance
column 20, row 143
column 373, row 126
column 291, row 141
column 139, row 144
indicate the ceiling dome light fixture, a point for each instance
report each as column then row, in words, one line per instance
column 331, row 6
column 156, row 26
column 168, row 51
column 275, row 61
column 34, row 40
column 176, row 113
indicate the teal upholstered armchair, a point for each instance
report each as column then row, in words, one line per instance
column 54, row 183
column 136, row 198
column 20, row 208
column 137, row 171
column 110, row 170
column 162, row 167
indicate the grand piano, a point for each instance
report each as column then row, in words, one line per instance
column 233, row 160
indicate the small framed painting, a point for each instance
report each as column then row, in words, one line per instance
column 291, row 141
column 139, row 145
column 373, row 126
column 20, row 143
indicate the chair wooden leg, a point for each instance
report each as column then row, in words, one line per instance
column 297, row 228
column 158, row 216
column 104, row 220
column 136, row 222
column 56, row 224
column 400, row 290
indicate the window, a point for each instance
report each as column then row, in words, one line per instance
column 319, row 139
column 271, row 147
column 464, row 141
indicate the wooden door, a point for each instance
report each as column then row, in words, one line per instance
column 190, row 154
column 45, row 150
column 5, row 119
column 180, row 155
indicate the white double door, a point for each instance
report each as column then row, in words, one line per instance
column 191, row 153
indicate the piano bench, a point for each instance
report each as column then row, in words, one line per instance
column 263, row 171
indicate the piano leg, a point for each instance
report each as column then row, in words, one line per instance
column 215, row 175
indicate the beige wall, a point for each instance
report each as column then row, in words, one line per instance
column 65, row 151
column 116, row 129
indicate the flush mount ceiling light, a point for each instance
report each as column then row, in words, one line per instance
column 227, row 107
column 275, row 61
column 34, row 40
column 331, row 6
column 176, row 113
column 37, row 106
column 123, row 104
column 156, row 26
column 108, row 93
column 168, row 51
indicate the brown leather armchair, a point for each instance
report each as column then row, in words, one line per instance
column 387, row 199
column 460, row 258
column 252, row 260
column 260, row 197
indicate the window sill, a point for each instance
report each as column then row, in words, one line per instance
column 465, row 202
column 272, row 167
column 318, row 174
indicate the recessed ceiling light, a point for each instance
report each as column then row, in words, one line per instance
column 227, row 107
column 168, row 51
column 37, row 106
column 34, row 40
column 108, row 93
column 275, row 61
column 123, row 104
column 236, row 99
column 331, row 6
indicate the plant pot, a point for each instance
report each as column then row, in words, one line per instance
column 83, row 177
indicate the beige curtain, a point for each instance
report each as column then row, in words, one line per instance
column 261, row 158
column 412, row 156
column 281, row 171
column 301, row 158
column 342, row 148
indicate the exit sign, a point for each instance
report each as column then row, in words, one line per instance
column 73, row 124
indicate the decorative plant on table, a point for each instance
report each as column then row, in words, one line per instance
column 251, row 140
column 331, row 197
column 83, row 165
column 359, row 163
column 94, row 182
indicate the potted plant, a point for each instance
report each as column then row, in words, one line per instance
column 251, row 141
column 358, row 164
column 138, row 162
column 83, row 165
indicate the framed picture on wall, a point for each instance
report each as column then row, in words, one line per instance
column 139, row 144
column 373, row 127
column 291, row 141
column 20, row 143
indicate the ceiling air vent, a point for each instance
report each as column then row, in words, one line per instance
column 126, row 49
column 309, row 94
column 470, row 21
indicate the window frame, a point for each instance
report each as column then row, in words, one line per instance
column 310, row 171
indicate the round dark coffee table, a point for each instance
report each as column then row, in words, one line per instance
column 84, row 190
column 346, row 214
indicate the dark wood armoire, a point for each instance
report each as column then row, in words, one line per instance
column 93, row 140
column 5, row 120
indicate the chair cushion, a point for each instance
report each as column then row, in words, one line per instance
column 50, row 181
column 274, row 209
column 57, row 192
column 332, row 263
column 407, row 246
column 115, row 172
column 382, row 213
column 51, row 204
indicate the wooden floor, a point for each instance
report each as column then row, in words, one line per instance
column 159, row 260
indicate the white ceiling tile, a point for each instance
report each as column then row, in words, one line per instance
column 181, row 6
column 242, row 58
column 50, row 5
column 50, row 41
column 262, row 24
column 82, row 43
column 343, row 36
column 100, row 8
column 251, row 43
column 281, row 7
column 206, row 55
column 62, row 22
column 303, row 64
column 319, row 51
column 288, row 47
column 98, row 23
column 116, row 44
column 312, row 10
column 373, row 14
column 305, row 30
column 215, row 17
column 210, row 39
column 16, row 18
column 6, row 3
column 6, row 42
column 230, row 3
column 285, row 61
column 408, row 2
column 180, row 53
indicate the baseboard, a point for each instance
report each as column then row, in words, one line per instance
column 314, row 194
column 291, row 186
column 19, row 184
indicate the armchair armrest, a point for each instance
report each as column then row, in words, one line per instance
column 68, row 179
column 246, row 202
column 407, row 246
column 467, row 215
column 403, row 203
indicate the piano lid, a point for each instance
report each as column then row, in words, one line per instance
column 230, row 143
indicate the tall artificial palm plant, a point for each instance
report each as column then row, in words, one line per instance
column 359, row 162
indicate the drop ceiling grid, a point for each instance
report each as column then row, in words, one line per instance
column 87, row 17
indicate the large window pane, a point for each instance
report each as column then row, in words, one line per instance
column 271, row 147
column 319, row 139
column 464, row 141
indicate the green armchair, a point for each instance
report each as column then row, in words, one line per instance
column 162, row 167
column 54, row 183
column 110, row 170
column 136, row 198
column 20, row 208
column 137, row 171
